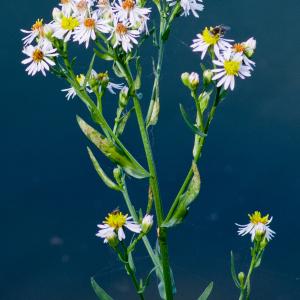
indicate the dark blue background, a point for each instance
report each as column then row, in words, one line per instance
column 51, row 199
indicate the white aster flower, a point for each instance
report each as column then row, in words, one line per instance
column 67, row 7
column 128, row 10
column 63, row 26
column 211, row 38
column 82, row 7
column 88, row 27
column 115, row 222
column 189, row 5
column 71, row 92
column 258, row 225
column 39, row 58
column 229, row 66
column 124, row 35
column 105, row 9
column 250, row 46
column 37, row 30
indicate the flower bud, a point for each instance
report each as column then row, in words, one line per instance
column 194, row 80
column 207, row 77
column 263, row 244
column 185, row 79
column 241, row 277
column 147, row 223
column 103, row 79
column 123, row 97
column 250, row 46
column 118, row 175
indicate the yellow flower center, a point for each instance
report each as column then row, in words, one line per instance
column 210, row 38
column 116, row 220
column 238, row 47
column 65, row 1
column 89, row 23
column 80, row 79
column 128, row 4
column 69, row 23
column 37, row 55
column 121, row 29
column 256, row 218
column 232, row 67
column 102, row 77
column 38, row 25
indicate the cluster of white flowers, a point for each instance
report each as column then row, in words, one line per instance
column 188, row 6
column 230, row 59
column 80, row 21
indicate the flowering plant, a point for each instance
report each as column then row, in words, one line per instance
column 116, row 31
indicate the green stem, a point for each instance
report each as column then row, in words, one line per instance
column 196, row 157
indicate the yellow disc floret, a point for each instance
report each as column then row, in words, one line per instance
column 128, row 4
column 69, row 23
column 80, row 79
column 210, row 38
column 37, row 55
column 121, row 29
column 89, row 23
column 238, row 47
column 232, row 67
column 116, row 220
column 256, row 218
column 38, row 25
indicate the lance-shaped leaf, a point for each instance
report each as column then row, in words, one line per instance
column 101, row 294
column 112, row 151
column 189, row 123
column 207, row 292
column 123, row 122
column 233, row 272
column 101, row 173
column 138, row 81
column 185, row 200
column 154, row 114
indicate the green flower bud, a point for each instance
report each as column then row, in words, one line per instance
column 123, row 97
column 263, row 244
column 147, row 223
column 118, row 175
column 103, row 79
column 185, row 79
column 241, row 277
column 190, row 80
column 207, row 77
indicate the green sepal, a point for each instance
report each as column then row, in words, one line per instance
column 233, row 272
column 112, row 151
column 112, row 185
column 189, row 123
column 207, row 292
column 185, row 200
column 101, row 294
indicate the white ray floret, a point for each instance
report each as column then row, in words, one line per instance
column 124, row 35
column 257, row 225
column 210, row 38
column 71, row 92
column 115, row 223
column 37, row 30
column 129, row 10
column 229, row 66
column 67, row 7
column 88, row 28
column 39, row 58
column 188, row 6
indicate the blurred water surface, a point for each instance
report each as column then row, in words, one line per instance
column 51, row 199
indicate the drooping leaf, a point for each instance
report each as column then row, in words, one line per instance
column 111, row 184
column 112, row 151
column 233, row 272
column 155, row 113
column 190, row 124
column 101, row 294
column 104, row 56
column 118, row 71
column 123, row 122
column 185, row 200
column 207, row 292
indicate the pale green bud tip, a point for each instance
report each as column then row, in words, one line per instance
column 123, row 96
column 241, row 277
column 190, row 80
column 207, row 77
column 250, row 46
column 147, row 223
column 118, row 175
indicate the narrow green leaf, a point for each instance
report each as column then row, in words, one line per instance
column 102, row 295
column 207, row 292
column 101, row 173
column 189, row 123
column 118, row 71
column 88, row 74
column 232, row 269
column 104, row 56
column 204, row 100
column 123, row 122
column 138, row 81
column 185, row 200
column 131, row 262
column 112, row 151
